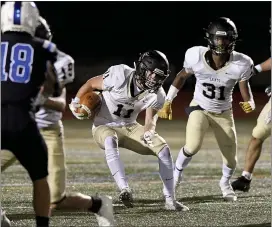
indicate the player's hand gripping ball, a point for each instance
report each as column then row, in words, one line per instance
column 87, row 106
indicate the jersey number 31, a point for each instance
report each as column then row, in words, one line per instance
column 21, row 59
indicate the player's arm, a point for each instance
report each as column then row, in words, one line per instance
column 150, row 126
column 191, row 58
column 57, row 103
column 50, row 86
column 106, row 81
column 95, row 83
column 178, row 83
column 248, row 104
column 151, row 118
column 264, row 66
column 245, row 90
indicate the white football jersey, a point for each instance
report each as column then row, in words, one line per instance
column 119, row 104
column 65, row 70
column 214, row 88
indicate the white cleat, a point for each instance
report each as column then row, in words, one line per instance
column 174, row 205
column 105, row 216
column 227, row 191
column 126, row 198
column 5, row 222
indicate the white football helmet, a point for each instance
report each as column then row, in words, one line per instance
column 19, row 17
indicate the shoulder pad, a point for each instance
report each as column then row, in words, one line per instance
column 63, row 56
column 193, row 54
column 242, row 59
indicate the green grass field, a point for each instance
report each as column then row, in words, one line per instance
column 89, row 174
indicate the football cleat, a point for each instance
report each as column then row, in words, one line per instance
column 174, row 205
column 241, row 184
column 126, row 198
column 104, row 216
column 227, row 191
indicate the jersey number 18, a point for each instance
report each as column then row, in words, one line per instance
column 21, row 60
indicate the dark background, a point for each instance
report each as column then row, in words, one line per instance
column 100, row 34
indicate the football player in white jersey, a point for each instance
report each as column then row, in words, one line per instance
column 125, row 93
column 48, row 119
column 217, row 69
column 260, row 133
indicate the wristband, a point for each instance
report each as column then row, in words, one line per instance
column 259, row 68
column 172, row 93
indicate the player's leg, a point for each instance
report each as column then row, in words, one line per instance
column 6, row 142
column 132, row 141
column 60, row 200
column 259, row 134
column 5, row 222
column 107, row 139
column 196, row 127
column 56, row 162
column 225, row 134
column 7, row 159
column 31, row 152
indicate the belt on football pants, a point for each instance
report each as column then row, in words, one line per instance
column 190, row 109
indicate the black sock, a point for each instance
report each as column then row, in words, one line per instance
column 42, row 221
column 97, row 203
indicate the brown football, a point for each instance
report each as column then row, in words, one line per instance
column 90, row 102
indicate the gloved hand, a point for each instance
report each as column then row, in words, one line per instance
column 247, row 106
column 147, row 138
column 74, row 107
column 166, row 111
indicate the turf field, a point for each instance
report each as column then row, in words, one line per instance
column 88, row 173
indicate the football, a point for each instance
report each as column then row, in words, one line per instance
column 90, row 103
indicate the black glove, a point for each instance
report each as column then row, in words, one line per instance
column 268, row 91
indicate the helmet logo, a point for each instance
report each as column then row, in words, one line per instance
column 159, row 72
column 220, row 33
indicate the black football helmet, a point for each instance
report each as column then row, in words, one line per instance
column 155, row 62
column 222, row 36
column 43, row 30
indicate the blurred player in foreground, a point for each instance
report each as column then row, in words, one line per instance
column 26, row 62
column 259, row 134
column 50, row 125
